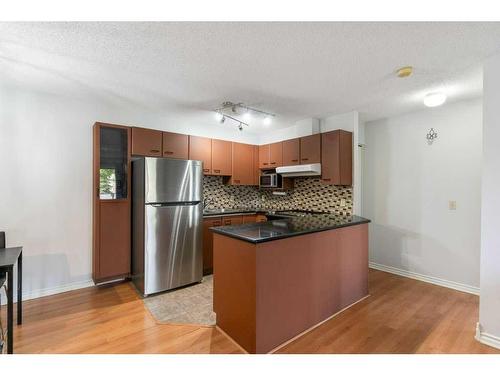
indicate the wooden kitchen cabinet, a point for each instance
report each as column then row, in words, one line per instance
column 256, row 170
column 208, row 252
column 336, row 157
column 175, row 145
column 146, row 142
column 111, row 248
column 276, row 154
column 264, row 156
column 260, row 218
column 249, row 218
column 233, row 220
column 291, row 152
column 209, row 222
column 200, row 148
column 242, row 164
column 221, row 157
column 310, row 149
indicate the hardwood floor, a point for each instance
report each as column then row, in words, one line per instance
column 400, row 316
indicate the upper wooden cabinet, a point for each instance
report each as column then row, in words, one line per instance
column 243, row 170
column 200, row 148
column 336, row 157
column 276, row 154
column 256, row 170
column 175, row 145
column 264, row 156
column 291, row 152
column 146, row 142
column 221, row 157
column 310, row 149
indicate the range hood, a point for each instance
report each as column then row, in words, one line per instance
column 302, row 170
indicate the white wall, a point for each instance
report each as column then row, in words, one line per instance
column 300, row 128
column 46, row 177
column 489, row 304
column 407, row 187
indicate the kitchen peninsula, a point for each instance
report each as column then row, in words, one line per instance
column 274, row 280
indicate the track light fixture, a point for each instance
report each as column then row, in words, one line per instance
column 221, row 114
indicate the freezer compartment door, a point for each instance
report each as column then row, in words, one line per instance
column 173, row 246
column 171, row 180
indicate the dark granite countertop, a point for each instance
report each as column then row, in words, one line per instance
column 232, row 211
column 289, row 227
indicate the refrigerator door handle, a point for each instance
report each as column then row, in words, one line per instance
column 170, row 204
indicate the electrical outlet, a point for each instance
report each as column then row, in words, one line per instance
column 342, row 202
column 452, row 205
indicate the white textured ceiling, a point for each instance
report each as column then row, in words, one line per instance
column 296, row 70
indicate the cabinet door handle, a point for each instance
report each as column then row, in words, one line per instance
column 216, row 170
column 273, row 163
column 295, row 159
column 266, row 163
column 206, row 170
column 304, row 159
column 217, row 223
column 154, row 151
column 326, row 179
column 168, row 152
column 227, row 222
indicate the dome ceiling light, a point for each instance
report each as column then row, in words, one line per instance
column 221, row 114
column 434, row 99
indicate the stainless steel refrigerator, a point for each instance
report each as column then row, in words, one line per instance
column 167, row 214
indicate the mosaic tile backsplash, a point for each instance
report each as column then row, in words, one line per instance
column 307, row 194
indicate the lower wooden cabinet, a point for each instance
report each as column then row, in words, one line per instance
column 209, row 222
column 208, row 250
column 113, row 256
column 260, row 218
column 249, row 219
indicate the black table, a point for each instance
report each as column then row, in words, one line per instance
column 8, row 258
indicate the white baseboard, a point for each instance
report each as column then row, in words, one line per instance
column 486, row 338
column 429, row 279
column 54, row 290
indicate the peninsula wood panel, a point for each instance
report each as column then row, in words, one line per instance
column 291, row 152
column 200, row 148
column 242, row 164
column 264, row 294
column 276, row 154
column 146, row 142
column 310, row 149
column 221, row 157
column 175, row 145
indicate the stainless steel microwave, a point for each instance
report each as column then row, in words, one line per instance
column 271, row 180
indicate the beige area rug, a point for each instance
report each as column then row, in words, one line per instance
column 190, row 305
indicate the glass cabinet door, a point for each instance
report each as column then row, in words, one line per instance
column 113, row 163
